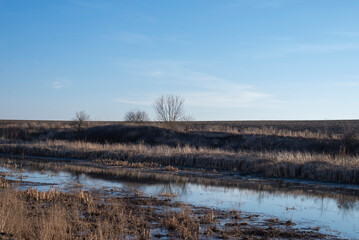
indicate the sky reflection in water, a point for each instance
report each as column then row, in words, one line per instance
column 303, row 209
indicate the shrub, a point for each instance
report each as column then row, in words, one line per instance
column 81, row 120
column 136, row 116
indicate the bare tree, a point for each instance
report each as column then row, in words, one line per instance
column 169, row 109
column 80, row 120
column 136, row 116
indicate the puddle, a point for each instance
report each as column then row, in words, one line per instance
column 334, row 215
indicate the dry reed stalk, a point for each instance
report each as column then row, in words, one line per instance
column 273, row 164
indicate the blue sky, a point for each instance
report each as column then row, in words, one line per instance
column 229, row 59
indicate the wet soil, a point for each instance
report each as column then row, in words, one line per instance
column 229, row 224
column 168, row 219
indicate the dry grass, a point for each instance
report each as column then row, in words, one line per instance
column 260, row 136
column 127, row 164
column 4, row 183
column 32, row 214
column 55, row 215
column 317, row 150
column 305, row 129
column 268, row 131
column 335, row 168
column 289, row 133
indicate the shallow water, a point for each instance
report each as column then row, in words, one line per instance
column 338, row 217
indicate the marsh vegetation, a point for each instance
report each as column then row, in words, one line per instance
column 101, row 213
column 210, row 153
column 326, row 151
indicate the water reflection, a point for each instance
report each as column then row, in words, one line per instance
column 330, row 209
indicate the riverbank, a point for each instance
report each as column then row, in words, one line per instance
column 311, row 166
column 105, row 214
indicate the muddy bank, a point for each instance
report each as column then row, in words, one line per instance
column 156, row 174
column 33, row 214
column 322, row 167
column 303, row 203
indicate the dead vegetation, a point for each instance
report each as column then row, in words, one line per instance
column 56, row 215
column 345, row 198
column 32, row 214
column 325, row 167
column 3, row 183
column 316, row 150
column 308, row 150
column 312, row 136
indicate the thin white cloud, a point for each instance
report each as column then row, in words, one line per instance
column 322, row 48
column 228, row 98
column 198, row 88
column 307, row 49
column 59, row 84
column 174, row 72
column 134, row 102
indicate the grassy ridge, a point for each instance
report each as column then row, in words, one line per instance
column 319, row 137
